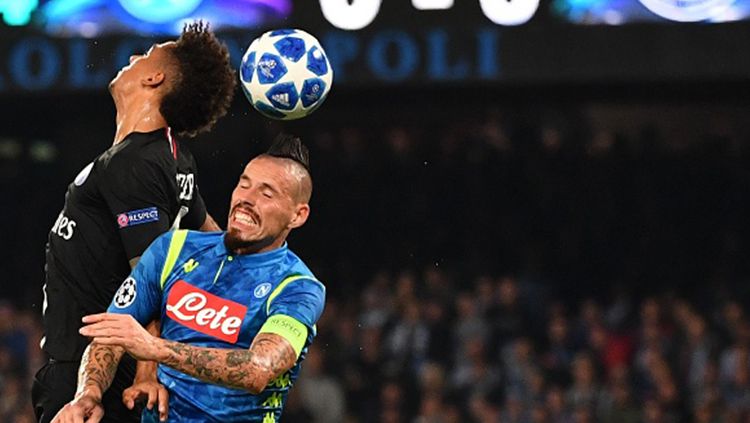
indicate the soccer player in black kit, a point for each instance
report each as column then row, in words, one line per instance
column 142, row 186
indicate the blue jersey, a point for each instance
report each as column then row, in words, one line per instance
column 206, row 296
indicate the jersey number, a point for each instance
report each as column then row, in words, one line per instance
column 186, row 181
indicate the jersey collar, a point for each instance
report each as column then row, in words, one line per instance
column 267, row 257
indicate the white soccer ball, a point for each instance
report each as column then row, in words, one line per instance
column 286, row 74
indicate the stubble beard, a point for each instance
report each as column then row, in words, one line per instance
column 234, row 242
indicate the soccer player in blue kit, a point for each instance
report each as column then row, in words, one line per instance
column 237, row 308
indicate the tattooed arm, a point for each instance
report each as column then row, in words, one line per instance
column 253, row 369
column 269, row 356
column 97, row 370
column 98, row 367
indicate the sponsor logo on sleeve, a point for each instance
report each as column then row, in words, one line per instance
column 204, row 312
column 125, row 296
column 137, row 217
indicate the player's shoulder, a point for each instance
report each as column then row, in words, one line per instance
column 299, row 292
column 162, row 242
column 296, row 265
column 139, row 149
column 201, row 238
column 300, row 274
column 192, row 239
column 184, row 241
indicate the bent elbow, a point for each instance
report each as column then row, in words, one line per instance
column 259, row 377
column 255, row 387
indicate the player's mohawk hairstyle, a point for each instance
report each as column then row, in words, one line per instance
column 287, row 146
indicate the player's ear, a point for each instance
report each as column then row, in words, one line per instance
column 153, row 80
column 301, row 214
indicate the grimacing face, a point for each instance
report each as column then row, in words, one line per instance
column 265, row 205
column 141, row 67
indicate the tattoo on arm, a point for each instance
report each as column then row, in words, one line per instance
column 269, row 356
column 98, row 367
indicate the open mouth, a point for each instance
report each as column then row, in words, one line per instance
column 245, row 217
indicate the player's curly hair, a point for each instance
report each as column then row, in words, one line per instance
column 287, row 146
column 203, row 91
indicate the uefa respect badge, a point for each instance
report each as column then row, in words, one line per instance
column 688, row 10
column 137, row 217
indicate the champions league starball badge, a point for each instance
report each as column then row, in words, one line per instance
column 126, row 294
column 687, row 10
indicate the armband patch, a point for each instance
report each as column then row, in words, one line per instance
column 288, row 328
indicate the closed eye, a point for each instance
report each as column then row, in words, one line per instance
column 268, row 190
column 244, row 182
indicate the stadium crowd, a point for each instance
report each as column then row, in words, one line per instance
column 430, row 348
column 503, row 267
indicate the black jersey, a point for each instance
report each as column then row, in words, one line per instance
column 119, row 203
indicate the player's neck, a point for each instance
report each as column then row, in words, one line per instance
column 257, row 248
column 141, row 116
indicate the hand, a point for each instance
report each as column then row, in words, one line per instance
column 153, row 390
column 122, row 330
column 84, row 408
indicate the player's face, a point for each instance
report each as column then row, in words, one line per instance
column 264, row 205
column 141, row 67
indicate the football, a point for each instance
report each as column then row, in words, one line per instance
column 286, row 74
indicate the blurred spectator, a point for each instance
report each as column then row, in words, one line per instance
column 19, row 352
column 478, row 376
column 584, row 391
column 507, row 316
column 560, row 351
column 737, row 387
column 697, row 352
column 407, row 343
column 616, row 404
column 320, row 394
column 482, row 410
column 517, row 357
column 376, row 301
column 468, row 325
column 557, row 407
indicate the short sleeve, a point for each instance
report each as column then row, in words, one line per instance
column 140, row 294
column 302, row 299
column 139, row 194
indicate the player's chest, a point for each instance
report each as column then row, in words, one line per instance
column 84, row 189
column 216, row 299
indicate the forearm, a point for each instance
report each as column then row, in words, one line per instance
column 251, row 370
column 209, row 225
column 98, row 367
column 146, row 370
